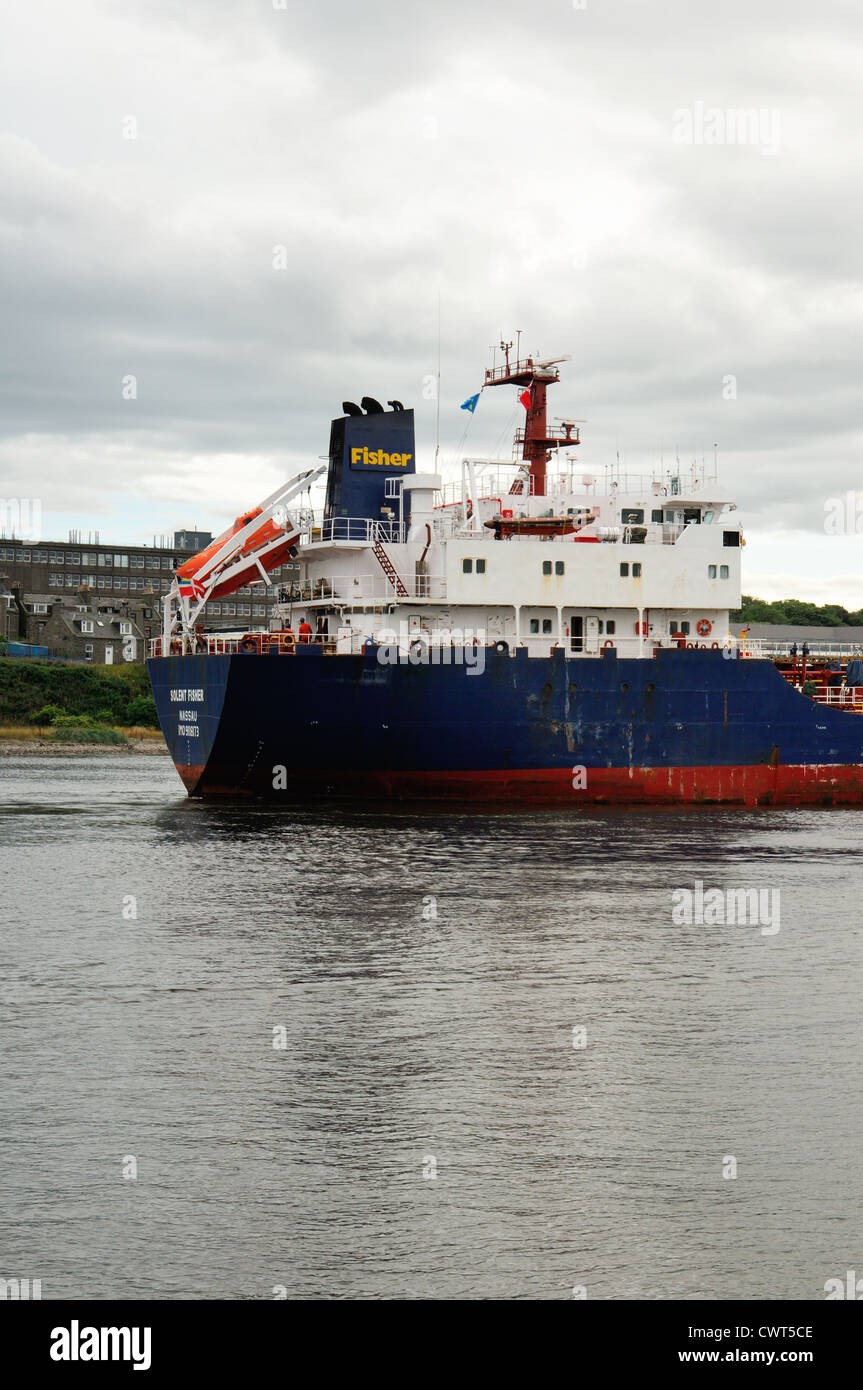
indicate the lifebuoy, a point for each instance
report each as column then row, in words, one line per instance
column 502, row 647
column 705, row 627
column 714, row 646
column 608, row 646
column 248, row 644
column 288, row 641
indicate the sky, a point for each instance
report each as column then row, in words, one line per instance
column 221, row 218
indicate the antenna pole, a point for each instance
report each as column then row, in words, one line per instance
column 437, row 415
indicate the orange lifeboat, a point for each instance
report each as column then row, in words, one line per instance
column 258, row 536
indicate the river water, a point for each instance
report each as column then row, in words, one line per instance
column 255, row 1052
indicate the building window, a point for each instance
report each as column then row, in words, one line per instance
column 624, row 570
column 610, row 627
column 38, row 608
column 121, row 562
column 559, row 567
column 230, row 609
column 243, row 609
column 723, row 571
column 73, row 557
column 534, row 624
column 152, row 562
column 104, row 581
column 72, row 580
column 167, row 562
column 546, row 567
column 57, row 557
column 636, row 570
column 40, row 557
column 104, row 562
column 86, row 625
column 88, row 651
column 632, row 516
column 480, row 566
column 259, row 610
column 55, row 581
column 125, row 629
column 546, row 625
column 215, row 609
column 711, row 571
column 136, row 562
column 466, row 566
column 656, row 514
column 121, row 583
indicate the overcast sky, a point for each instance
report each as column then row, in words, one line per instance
column 570, row 171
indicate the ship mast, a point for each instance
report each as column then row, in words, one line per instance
column 537, row 439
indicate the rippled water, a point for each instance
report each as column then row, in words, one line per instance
column 427, row 969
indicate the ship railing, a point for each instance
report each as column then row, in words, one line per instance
column 848, row 697
column 361, row 528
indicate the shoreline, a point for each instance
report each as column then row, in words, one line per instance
column 47, row 748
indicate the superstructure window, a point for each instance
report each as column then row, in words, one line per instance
column 610, row 627
column 624, row 570
column 656, row 514
column 480, row 566
column 711, row 571
column 546, row 567
column 632, row 516
column 558, row 567
column 636, row 571
column 723, row 571
column 731, row 538
column 546, row 625
column 467, row 565
column 534, row 624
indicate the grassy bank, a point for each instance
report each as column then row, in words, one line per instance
column 42, row 693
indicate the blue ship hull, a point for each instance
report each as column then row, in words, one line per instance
column 681, row 726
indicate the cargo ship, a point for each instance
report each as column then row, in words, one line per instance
column 525, row 633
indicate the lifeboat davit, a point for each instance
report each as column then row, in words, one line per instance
column 196, row 569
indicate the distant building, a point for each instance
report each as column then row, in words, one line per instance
column 192, row 540
column 40, row 585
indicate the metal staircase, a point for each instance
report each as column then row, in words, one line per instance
column 389, row 570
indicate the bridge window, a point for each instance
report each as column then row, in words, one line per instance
column 656, row 514
column 632, row 516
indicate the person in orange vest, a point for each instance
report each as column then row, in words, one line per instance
column 305, row 631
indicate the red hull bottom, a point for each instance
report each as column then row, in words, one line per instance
column 758, row 785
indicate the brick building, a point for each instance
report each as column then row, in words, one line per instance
column 55, row 590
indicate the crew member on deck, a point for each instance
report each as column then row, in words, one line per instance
column 305, row 631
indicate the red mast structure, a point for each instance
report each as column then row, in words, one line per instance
column 537, row 439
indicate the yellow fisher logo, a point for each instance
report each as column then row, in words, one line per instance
column 377, row 458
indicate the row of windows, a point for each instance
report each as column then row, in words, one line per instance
column 711, row 571
column 610, row 627
column 104, row 581
column 636, row 570
column 467, row 565
column 558, row 567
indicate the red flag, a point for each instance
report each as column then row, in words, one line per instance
column 525, row 399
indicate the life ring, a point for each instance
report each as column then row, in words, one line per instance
column 502, row 647
column 714, row 646
column 705, row 627
column 288, row 641
column 608, row 646
column 248, row 644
